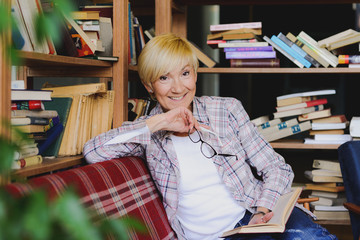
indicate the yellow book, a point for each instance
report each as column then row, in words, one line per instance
column 27, row 161
column 77, row 89
column 282, row 211
column 86, row 15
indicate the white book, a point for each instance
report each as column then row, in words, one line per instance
column 333, row 137
column 354, row 127
column 260, row 120
column 339, row 208
column 313, row 141
column 327, row 126
column 231, row 26
column 308, row 93
column 243, row 44
column 327, row 55
column 326, row 164
column 337, row 37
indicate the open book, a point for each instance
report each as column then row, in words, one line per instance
column 282, row 211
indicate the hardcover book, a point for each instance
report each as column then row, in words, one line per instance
column 299, row 50
column 308, row 50
column 26, row 95
column 250, row 55
column 61, row 105
column 302, row 105
column 290, row 51
column 315, row 115
column 292, row 130
column 232, row 26
column 255, row 63
column 278, row 48
column 308, row 93
column 299, row 111
column 282, row 210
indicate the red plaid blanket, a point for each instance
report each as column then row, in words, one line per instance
column 113, row 188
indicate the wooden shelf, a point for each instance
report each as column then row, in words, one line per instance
column 262, row 2
column 49, row 165
column 341, row 70
column 298, row 144
column 34, row 59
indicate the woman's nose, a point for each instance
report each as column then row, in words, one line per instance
column 176, row 85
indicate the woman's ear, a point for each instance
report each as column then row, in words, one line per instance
column 149, row 89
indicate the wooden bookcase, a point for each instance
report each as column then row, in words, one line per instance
column 44, row 65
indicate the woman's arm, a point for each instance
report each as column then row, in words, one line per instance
column 276, row 174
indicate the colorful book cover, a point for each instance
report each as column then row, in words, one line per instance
column 250, row 55
column 62, row 105
column 286, row 48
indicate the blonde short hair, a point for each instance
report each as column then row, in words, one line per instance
column 162, row 54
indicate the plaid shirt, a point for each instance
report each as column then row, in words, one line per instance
column 235, row 135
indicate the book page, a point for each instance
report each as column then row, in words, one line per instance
column 282, row 211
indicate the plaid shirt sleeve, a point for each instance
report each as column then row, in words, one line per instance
column 96, row 150
column 277, row 175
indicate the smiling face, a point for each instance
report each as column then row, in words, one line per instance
column 176, row 88
column 167, row 67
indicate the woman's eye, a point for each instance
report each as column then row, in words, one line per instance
column 162, row 78
column 186, row 73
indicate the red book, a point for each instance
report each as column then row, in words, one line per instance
column 255, row 63
column 27, row 105
column 302, row 105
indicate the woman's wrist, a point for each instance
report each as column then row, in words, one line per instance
column 155, row 123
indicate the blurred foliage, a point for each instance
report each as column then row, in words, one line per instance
column 34, row 216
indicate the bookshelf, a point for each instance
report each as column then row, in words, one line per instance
column 44, row 65
column 164, row 23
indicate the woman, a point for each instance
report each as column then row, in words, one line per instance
column 201, row 152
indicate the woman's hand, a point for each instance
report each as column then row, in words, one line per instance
column 178, row 119
column 261, row 216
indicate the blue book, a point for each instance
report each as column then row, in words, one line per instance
column 291, row 51
column 51, row 136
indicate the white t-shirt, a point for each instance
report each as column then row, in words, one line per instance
column 206, row 207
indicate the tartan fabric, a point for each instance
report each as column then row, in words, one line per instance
column 114, row 188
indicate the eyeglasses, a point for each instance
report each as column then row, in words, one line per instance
column 206, row 149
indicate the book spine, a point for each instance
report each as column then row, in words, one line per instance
column 27, row 105
column 250, row 55
column 300, row 51
column 247, row 49
column 286, row 48
column 295, row 129
column 269, row 62
column 29, row 161
column 231, row 26
column 243, row 44
column 346, row 59
column 332, row 59
column 279, row 126
column 277, row 47
column 309, row 51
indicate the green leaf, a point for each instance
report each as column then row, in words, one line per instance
column 75, row 218
column 37, row 216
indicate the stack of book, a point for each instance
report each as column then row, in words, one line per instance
column 329, row 130
column 138, row 107
column 302, row 50
column 294, row 113
column 89, row 22
column 327, row 185
column 242, row 44
column 30, row 116
column 88, row 112
column 345, row 44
